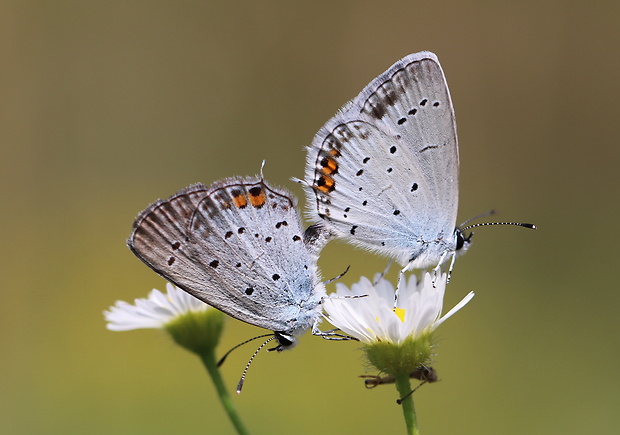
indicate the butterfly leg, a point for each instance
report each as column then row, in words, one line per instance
column 438, row 267
column 385, row 271
column 451, row 267
column 331, row 334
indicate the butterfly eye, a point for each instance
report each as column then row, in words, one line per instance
column 284, row 340
column 461, row 240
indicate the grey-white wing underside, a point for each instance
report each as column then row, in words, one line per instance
column 236, row 245
column 383, row 173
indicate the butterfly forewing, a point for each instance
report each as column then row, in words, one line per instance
column 383, row 172
column 412, row 98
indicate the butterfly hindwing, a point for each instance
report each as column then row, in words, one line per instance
column 413, row 99
column 240, row 249
column 353, row 196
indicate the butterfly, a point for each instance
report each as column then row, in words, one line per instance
column 239, row 246
column 383, row 173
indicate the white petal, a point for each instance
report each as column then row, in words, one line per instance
column 152, row 312
column 457, row 307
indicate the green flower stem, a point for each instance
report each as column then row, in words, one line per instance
column 208, row 359
column 403, row 385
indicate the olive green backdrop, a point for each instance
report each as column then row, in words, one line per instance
column 107, row 106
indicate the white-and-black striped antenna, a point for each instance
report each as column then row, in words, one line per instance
column 337, row 277
column 480, row 216
column 463, row 228
column 221, row 361
column 245, row 371
column 486, row 224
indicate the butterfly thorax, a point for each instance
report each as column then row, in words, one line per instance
column 432, row 253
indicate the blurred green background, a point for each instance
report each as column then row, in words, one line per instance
column 107, row 106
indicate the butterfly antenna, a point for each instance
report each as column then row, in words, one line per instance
column 463, row 228
column 245, row 371
column 338, row 277
column 480, row 216
column 221, row 361
column 486, row 224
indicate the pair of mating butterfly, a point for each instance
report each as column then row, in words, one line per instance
column 381, row 174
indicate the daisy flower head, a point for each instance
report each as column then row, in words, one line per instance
column 192, row 323
column 397, row 337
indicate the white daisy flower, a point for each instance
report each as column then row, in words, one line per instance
column 397, row 339
column 192, row 323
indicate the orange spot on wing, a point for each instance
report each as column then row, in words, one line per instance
column 240, row 200
column 329, row 166
column 334, row 152
column 257, row 196
column 325, row 184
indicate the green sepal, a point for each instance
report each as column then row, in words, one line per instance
column 400, row 359
column 197, row 331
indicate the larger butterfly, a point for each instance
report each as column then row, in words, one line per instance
column 383, row 172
